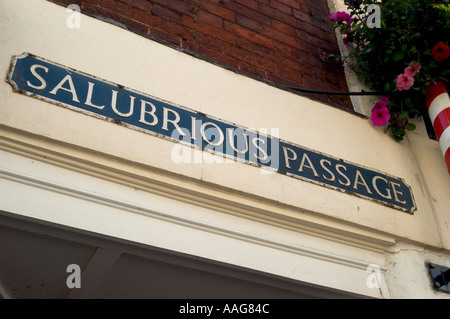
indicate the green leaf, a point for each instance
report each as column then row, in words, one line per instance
column 398, row 56
column 433, row 64
column 399, row 131
column 403, row 115
column 410, row 127
column 410, row 103
column 413, row 50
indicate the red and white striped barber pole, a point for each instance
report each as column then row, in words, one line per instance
column 438, row 105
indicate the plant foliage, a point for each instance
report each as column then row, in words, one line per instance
column 398, row 47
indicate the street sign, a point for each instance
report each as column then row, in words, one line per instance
column 63, row 86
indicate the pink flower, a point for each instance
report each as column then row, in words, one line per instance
column 340, row 17
column 385, row 99
column 345, row 39
column 380, row 105
column 404, row 82
column 396, row 120
column 412, row 69
column 380, row 115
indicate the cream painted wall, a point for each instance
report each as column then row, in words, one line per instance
column 306, row 216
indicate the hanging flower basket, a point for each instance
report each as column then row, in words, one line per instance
column 438, row 106
column 398, row 48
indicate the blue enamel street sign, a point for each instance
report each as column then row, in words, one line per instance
column 54, row 83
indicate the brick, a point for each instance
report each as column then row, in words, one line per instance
column 320, row 74
column 280, row 81
column 85, row 3
column 166, row 13
column 254, row 71
column 179, row 6
column 210, row 42
column 283, row 27
column 279, row 6
column 290, row 74
column 250, row 58
column 262, row 63
column 208, row 29
column 255, row 48
column 316, row 32
column 249, row 13
column 318, row 43
column 314, row 83
column 249, row 23
column 175, row 29
column 320, row 6
column 331, row 78
column 160, row 34
column 143, row 16
column 66, row 3
column 115, row 6
column 287, row 51
column 250, row 35
column 304, row 8
column 106, row 14
column 311, row 59
column 289, row 62
column 217, row 10
column 322, row 23
column 136, row 26
column 278, row 36
column 221, row 58
column 144, row 5
column 106, row 4
column 294, row 3
column 99, row 11
column 343, row 101
column 268, row 11
column 210, row 18
column 252, row 4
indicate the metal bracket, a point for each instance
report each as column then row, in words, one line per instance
column 440, row 277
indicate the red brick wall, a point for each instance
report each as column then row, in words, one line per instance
column 273, row 40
